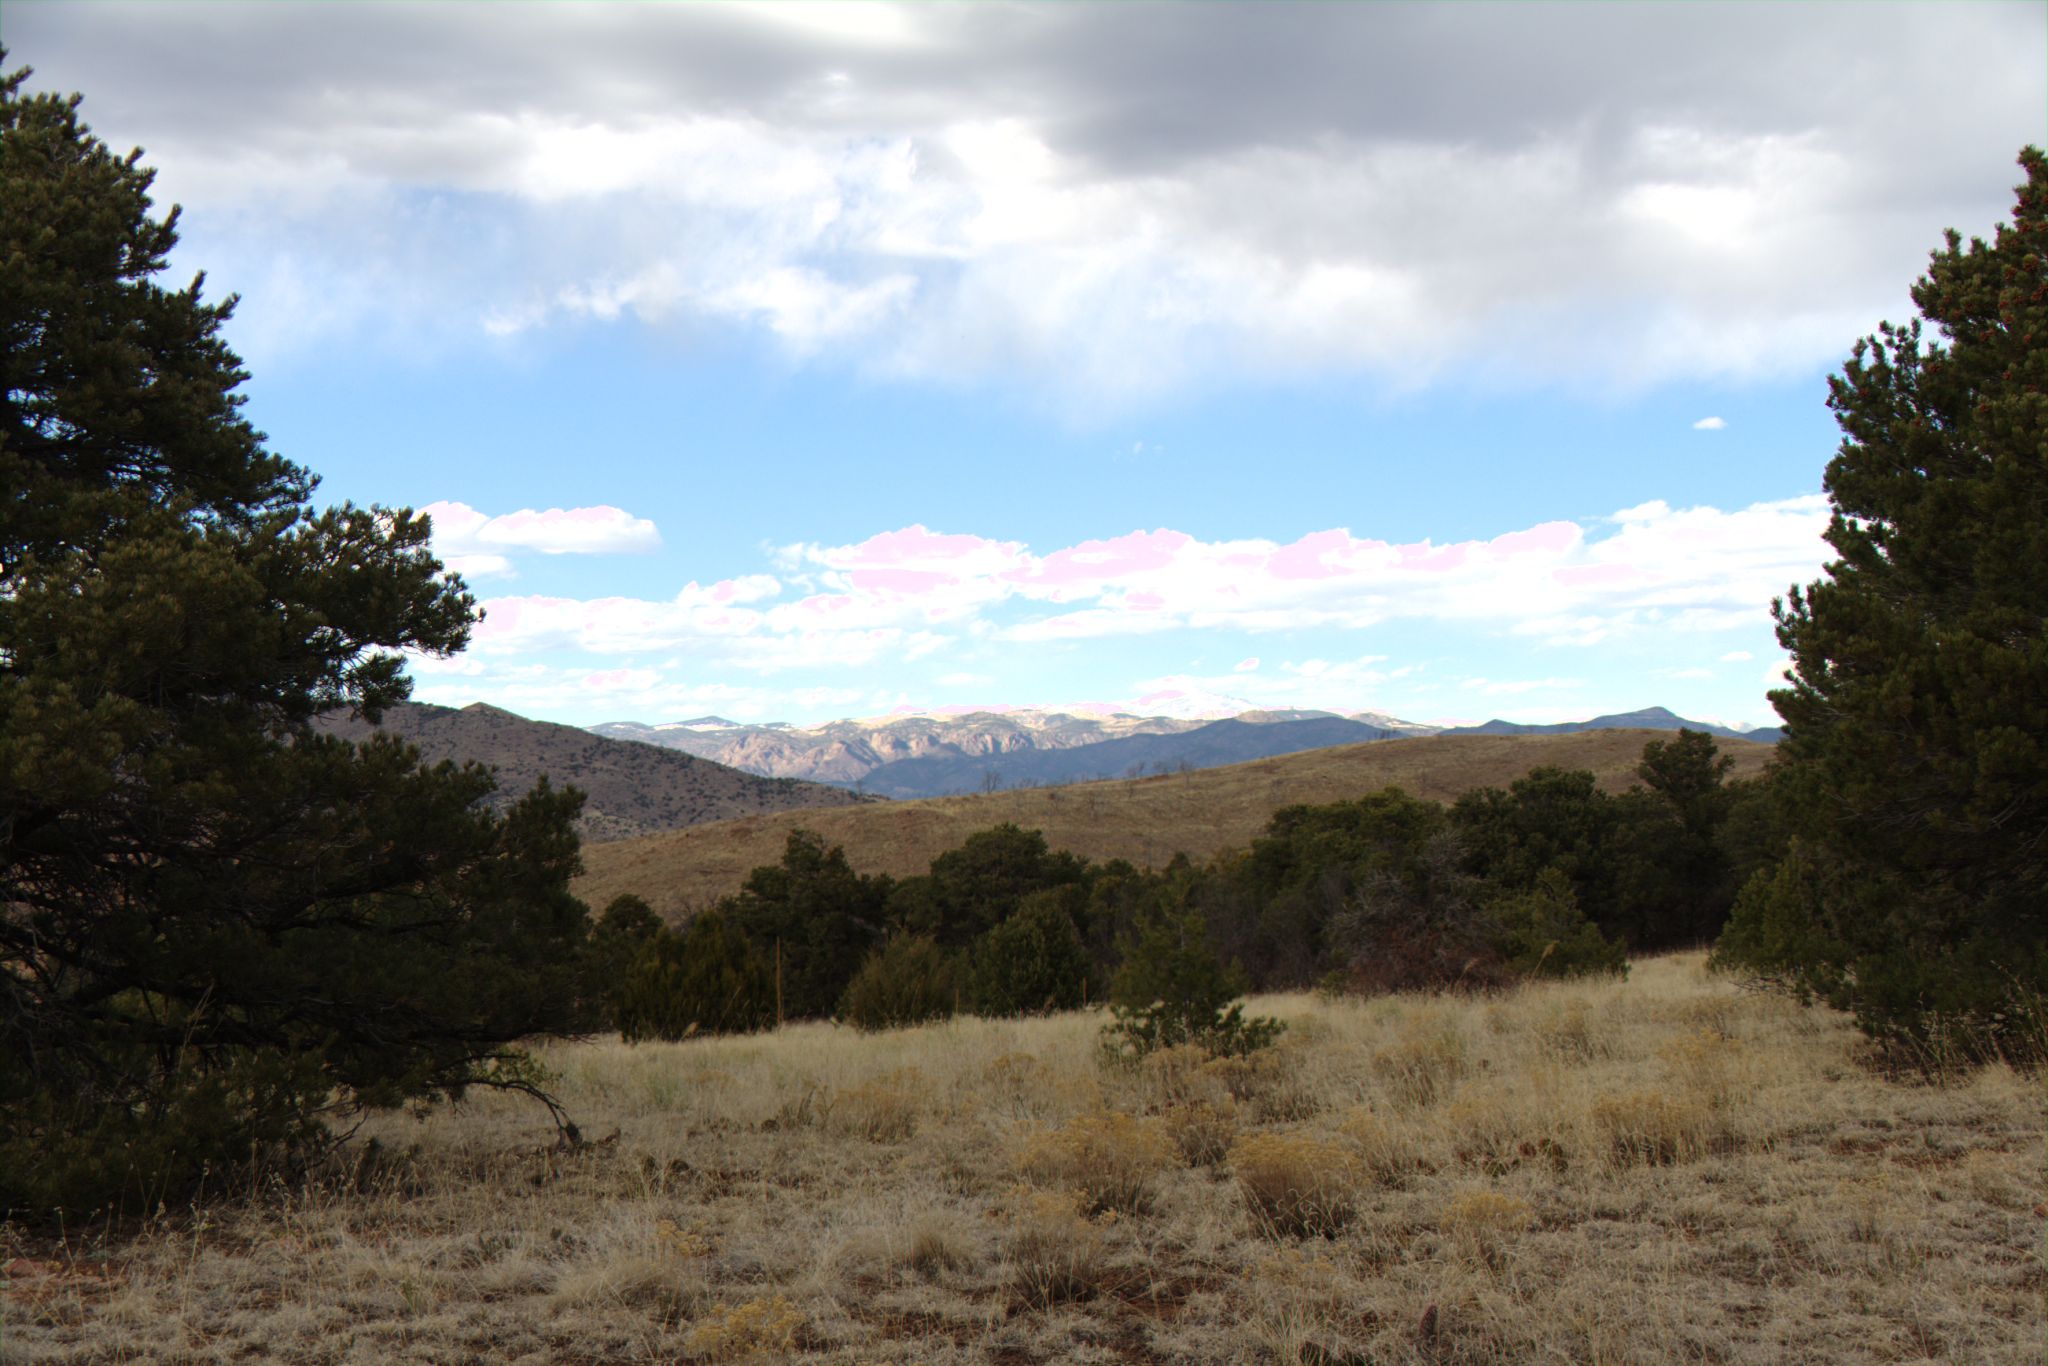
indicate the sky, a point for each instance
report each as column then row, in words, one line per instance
column 800, row 361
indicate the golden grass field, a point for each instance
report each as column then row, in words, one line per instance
column 1667, row 1168
column 1145, row 820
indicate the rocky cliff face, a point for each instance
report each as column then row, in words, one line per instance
column 845, row 752
column 926, row 755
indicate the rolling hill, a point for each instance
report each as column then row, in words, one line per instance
column 1230, row 741
column 1145, row 820
column 633, row 789
column 1649, row 718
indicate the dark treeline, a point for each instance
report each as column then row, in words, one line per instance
column 1549, row 876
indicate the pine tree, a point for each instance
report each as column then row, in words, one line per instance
column 1916, row 748
column 215, row 924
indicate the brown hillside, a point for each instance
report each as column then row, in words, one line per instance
column 632, row 789
column 1146, row 820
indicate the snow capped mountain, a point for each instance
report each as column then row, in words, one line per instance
column 954, row 748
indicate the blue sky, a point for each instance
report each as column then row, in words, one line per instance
column 801, row 361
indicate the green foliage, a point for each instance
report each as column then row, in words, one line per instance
column 1673, row 874
column 1275, row 909
column 626, row 926
column 215, row 924
column 1687, row 772
column 701, row 980
column 1775, row 932
column 977, row 886
column 1542, row 933
column 1034, row 961
column 908, row 981
column 1173, row 989
column 1419, row 927
column 817, row 915
column 1548, row 818
column 1916, row 747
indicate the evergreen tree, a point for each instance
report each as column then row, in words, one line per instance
column 1673, row 878
column 216, row 924
column 1173, row 988
column 978, row 885
column 1542, row 933
column 815, row 916
column 909, row 980
column 701, row 980
column 1034, row 961
column 1916, row 747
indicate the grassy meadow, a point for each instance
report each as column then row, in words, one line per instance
column 1666, row 1168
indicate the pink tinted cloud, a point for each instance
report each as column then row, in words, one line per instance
column 746, row 588
column 1318, row 555
column 1136, row 552
column 1428, row 558
column 1548, row 537
column 909, row 582
column 914, row 545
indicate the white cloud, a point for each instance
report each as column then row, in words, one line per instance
column 1644, row 579
column 1709, row 424
column 1657, row 570
column 1052, row 196
column 474, row 544
column 1737, row 657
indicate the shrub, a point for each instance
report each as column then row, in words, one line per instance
column 1295, row 1183
column 1650, row 1129
column 1386, row 1155
column 1542, row 933
column 1109, row 1157
column 1056, row 1254
column 703, row 980
column 1421, row 1066
column 766, row 1325
column 882, row 1110
column 1172, row 989
column 1032, row 962
column 1202, row 1130
column 908, row 981
column 1268, row 1083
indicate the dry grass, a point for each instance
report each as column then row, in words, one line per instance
column 1145, row 820
column 1659, row 1169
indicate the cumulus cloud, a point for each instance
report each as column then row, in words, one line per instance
column 913, row 593
column 474, row 543
column 1074, row 196
column 1709, row 424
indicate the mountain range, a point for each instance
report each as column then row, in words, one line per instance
column 631, row 789
column 925, row 755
